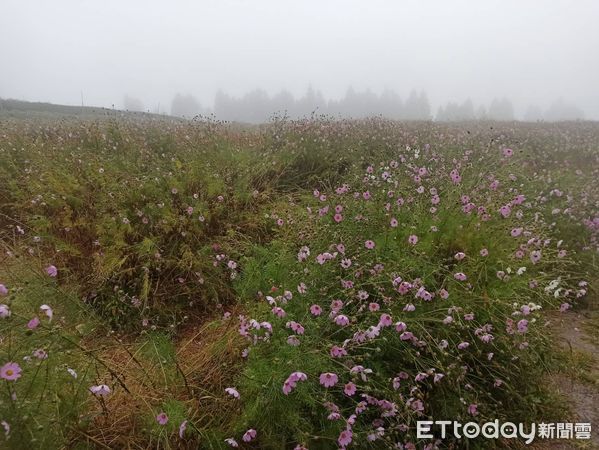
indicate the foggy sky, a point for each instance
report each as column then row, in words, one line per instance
column 531, row 51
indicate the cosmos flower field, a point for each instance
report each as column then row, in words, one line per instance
column 303, row 284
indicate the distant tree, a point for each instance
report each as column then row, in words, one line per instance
column 533, row 114
column 424, row 107
column 448, row 113
column 311, row 102
column 348, row 105
column 132, row 103
column 417, row 107
column 467, row 111
column 186, row 106
column 224, row 106
column 256, row 106
column 284, row 102
column 390, row 104
column 481, row 113
column 501, row 109
column 562, row 110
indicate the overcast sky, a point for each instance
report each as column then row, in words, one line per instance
column 531, row 51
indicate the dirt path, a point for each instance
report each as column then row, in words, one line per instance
column 577, row 333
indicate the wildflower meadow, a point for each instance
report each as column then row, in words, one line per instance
column 302, row 284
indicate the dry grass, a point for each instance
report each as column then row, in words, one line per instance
column 207, row 357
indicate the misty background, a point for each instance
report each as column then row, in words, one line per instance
column 245, row 60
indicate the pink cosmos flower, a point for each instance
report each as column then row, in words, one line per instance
column 288, row 386
column 328, row 379
column 369, row 244
column 473, row 409
column 4, row 311
column 232, row 392
column 33, row 323
column 249, row 435
column 505, row 210
column 460, row 276
column 349, row 389
column 522, row 326
column 298, row 376
column 279, row 312
column 52, row 271
column 315, row 310
column 345, row 438
column 507, row 152
column 296, row 327
column 413, row 239
column 342, row 320
column 338, row 217
column 232, row 442
column 100, row 390
column 484, row 252
column 374, row 307
column 302, row 288
column 10, row 371
column 455, row 176
column 6, row 427
column 337, row 352
column 182, row 429
column 535, row 256
column 463, row 345
column 3, row 290
column 40, row 353
column 421, row 376
column 406, row 336
column 336, row 305
column 162, row 418
column 417, row 405
column 47, row 311
column 394, row 222
column 385, row 320
column 291, row 381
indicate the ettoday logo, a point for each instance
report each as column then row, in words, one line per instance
column 506, row 430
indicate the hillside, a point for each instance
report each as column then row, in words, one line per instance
column 19, row 109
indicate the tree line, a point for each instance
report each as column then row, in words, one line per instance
column 257, row 106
